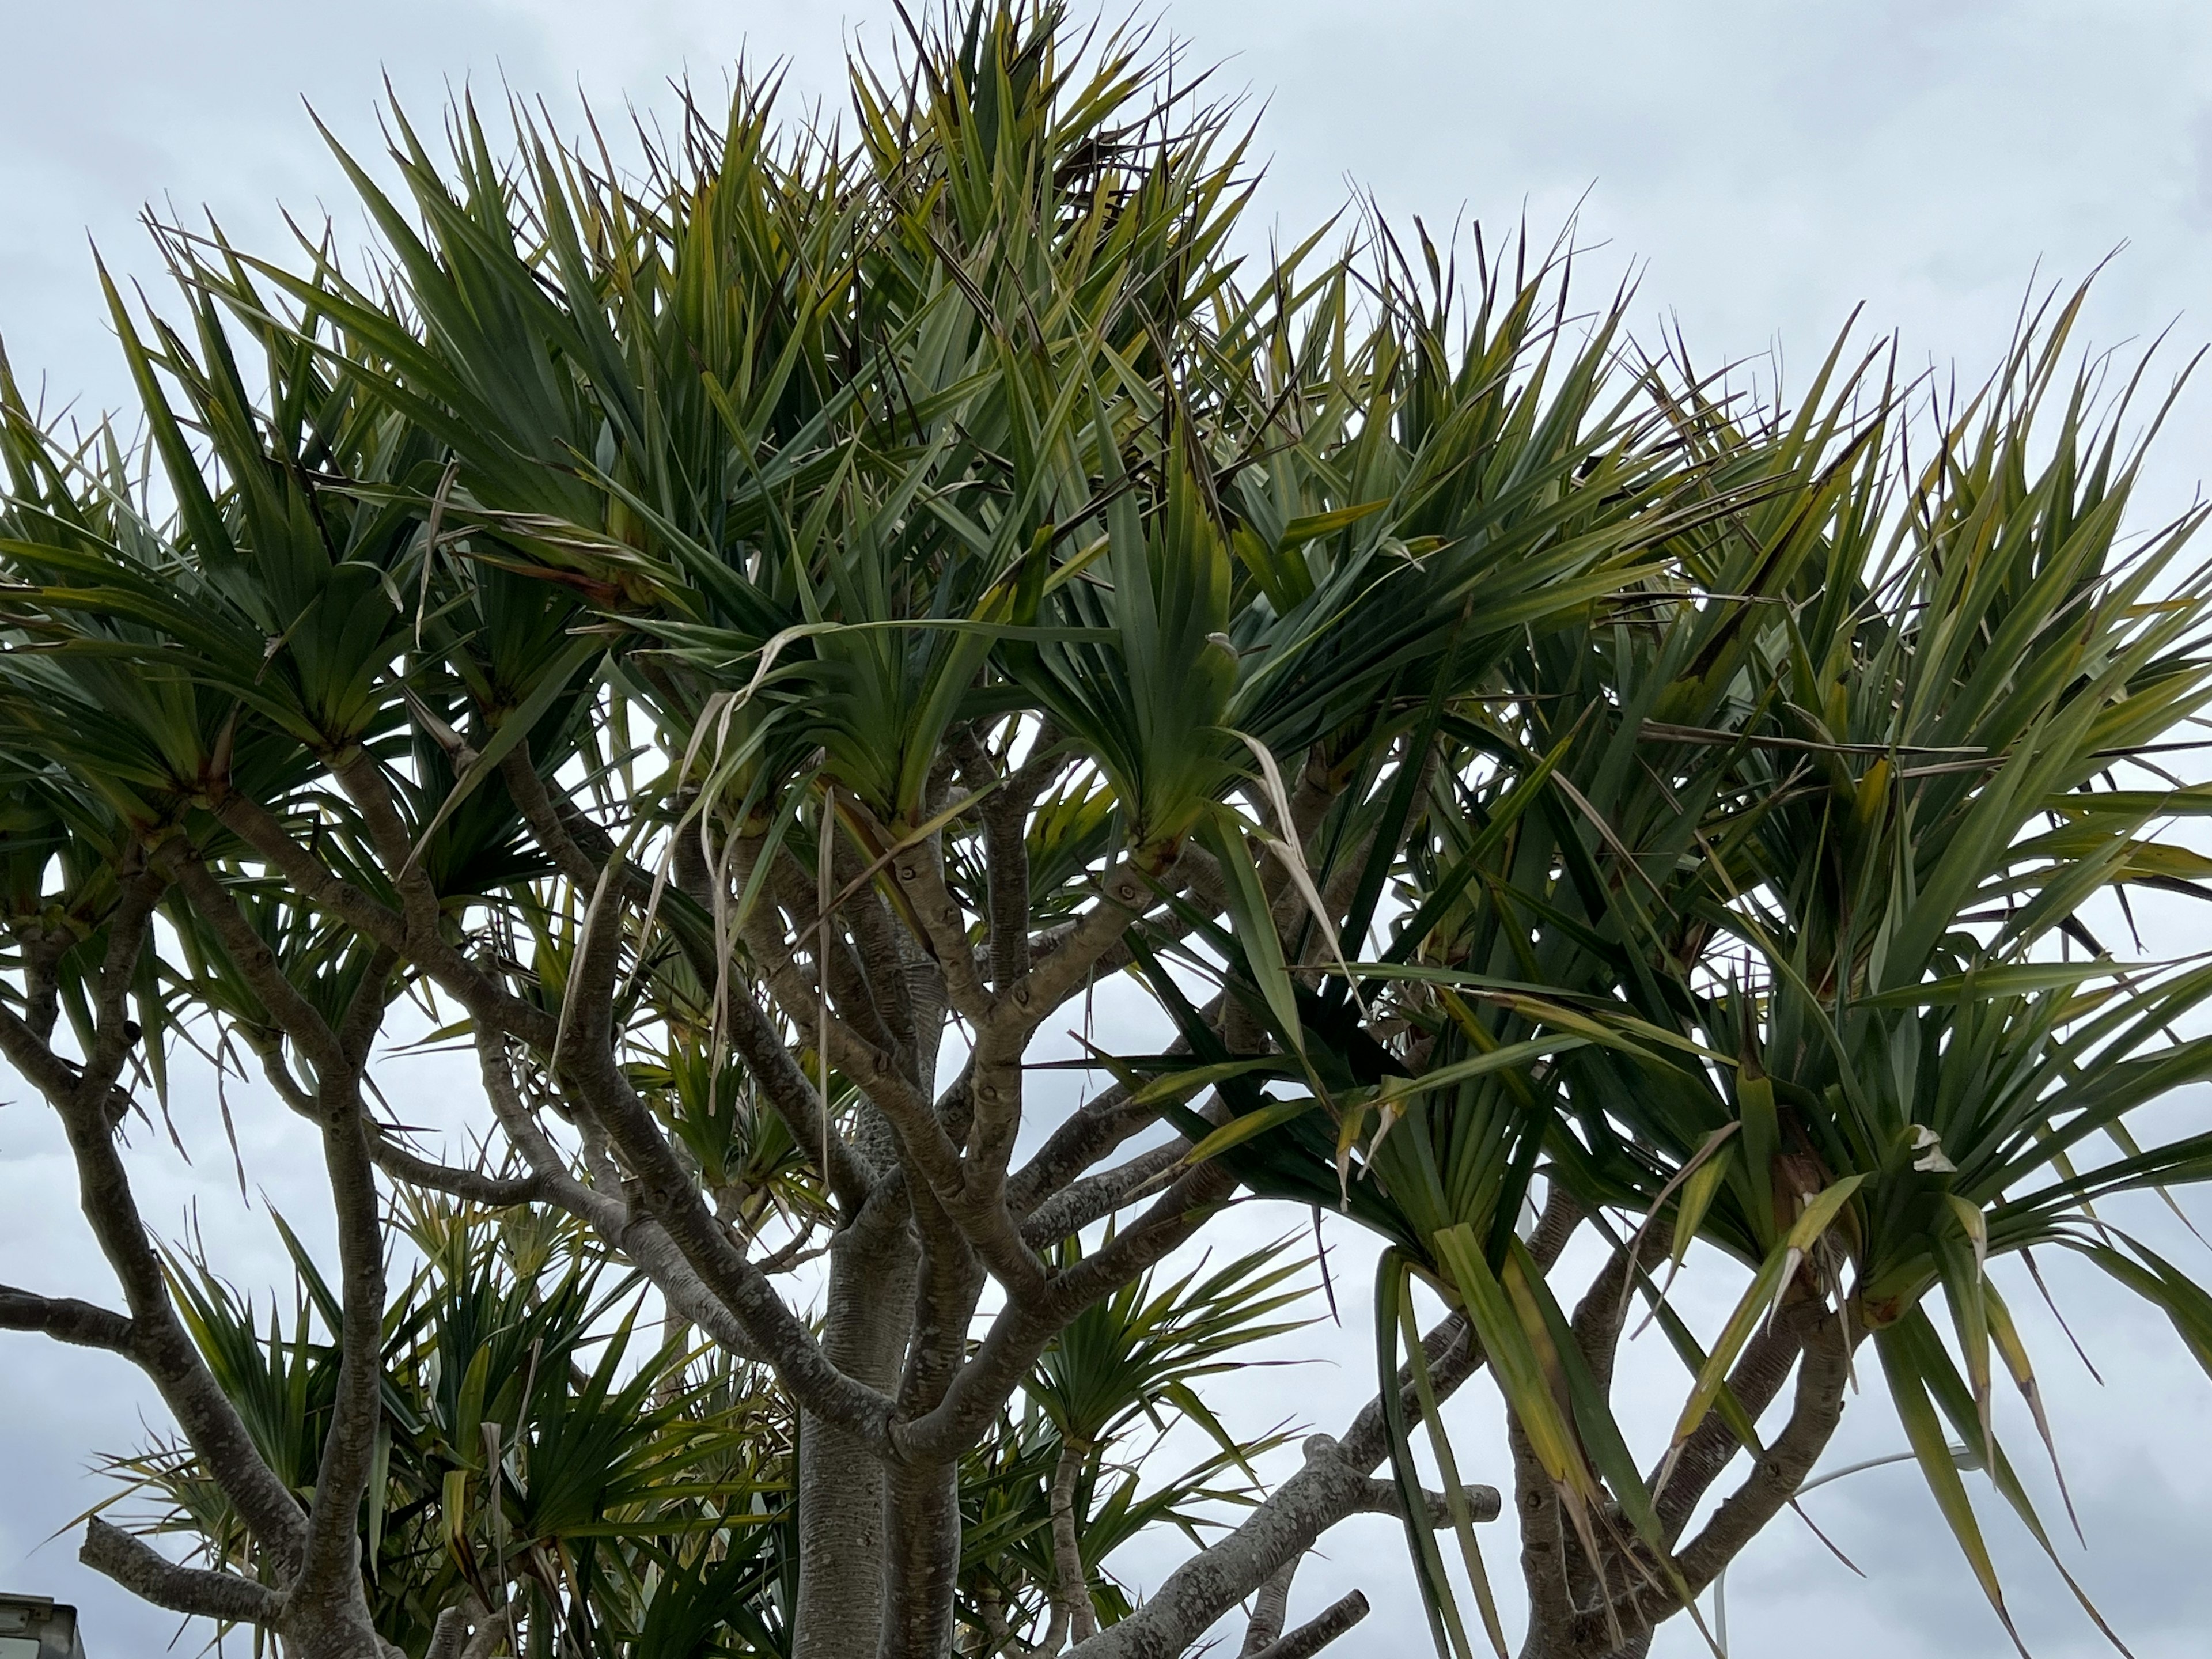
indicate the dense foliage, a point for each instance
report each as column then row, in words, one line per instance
column 596, row 1485
column 747, row 634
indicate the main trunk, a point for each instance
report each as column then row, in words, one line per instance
column 840, row 1481
column 923, row 1539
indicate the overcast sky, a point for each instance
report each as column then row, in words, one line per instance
column 1764, row 167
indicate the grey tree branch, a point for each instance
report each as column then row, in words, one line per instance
column 1004, row 812
column 755, row 1037
column 257, row 964
column 84, row 1098
column 194, row 1591
column 949, row 1284
column 1089, row 1133
column 1760, row 1372
column 1022, row 1331
column 639, row 1235
column 564, row 836
column 1544, row 1553
column 788, row 1092
column 326, row 1588
column 874, row 1069
column 1002, row 1036
column 878, row 941
column 54, row 1077
column 1384, row 1497
column 919, row 1127
column 1271, row 1610
column 868, row 1007
column 449, row 1635
column 1095, row 1197
column 80, row 1324
column 1060, row 972
column 330, row 1565
column 1207, row 1585
column 1452, row 1353
column 1072, row 1616
column 1320, row 1631
column 43, row 948
column 1823, row 1378
column 166, row 1353
column 665, row 1189
column 113, row 1033
column 944, row 930
column 470, row 1186
column 307, row 875
column 1336, row 1481
column 424, row 940
column 1597, row 1322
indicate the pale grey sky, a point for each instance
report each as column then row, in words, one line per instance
column 1767, row 167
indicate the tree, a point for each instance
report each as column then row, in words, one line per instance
column 749, row 637
column 539, row 1468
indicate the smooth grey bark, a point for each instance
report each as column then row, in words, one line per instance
column 146, row 1573
column 326, row 1614
column 933, row 1177
column 921, row 1560
column 320, row 1608
column 891, row 1393
column 1575, row 1613
column 868, row 1314
column 1271, row 1611
column 1329, row 1488
column 1320, row 1631
column 1072, row 1618
column 1258, row 1558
